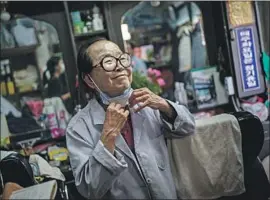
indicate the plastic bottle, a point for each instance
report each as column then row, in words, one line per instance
column 3, row 82
column 61, row 116
column 10, row 84
column 97, row 20
column 52, row 122
column 88, row 22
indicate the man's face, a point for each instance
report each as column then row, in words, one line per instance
column 112, row 83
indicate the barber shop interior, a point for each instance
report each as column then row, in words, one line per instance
column 135, row 100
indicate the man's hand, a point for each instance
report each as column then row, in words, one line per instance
column 114, row 122
column 144, row 97
column 9, row 189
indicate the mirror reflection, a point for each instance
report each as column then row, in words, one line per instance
column 35, row 97
column 167, row 39
column 32, row 66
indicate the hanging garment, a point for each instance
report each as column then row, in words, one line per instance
column 42, row 52
column 184, row 48
column 199, row 54
column 209, row 164
column 7, row 39
column 178, row 13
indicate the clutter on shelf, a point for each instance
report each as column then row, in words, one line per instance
column 256, row 106
column 38, row 121
column 87, row 21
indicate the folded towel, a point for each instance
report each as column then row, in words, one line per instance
column 209, row 163
column 41, row 167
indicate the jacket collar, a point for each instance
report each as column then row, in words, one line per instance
column 97, row 111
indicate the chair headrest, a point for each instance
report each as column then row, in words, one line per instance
column 252, row 135
column 16, row 168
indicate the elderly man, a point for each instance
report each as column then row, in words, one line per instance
column 117, row 142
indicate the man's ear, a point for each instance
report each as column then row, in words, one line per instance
column 88, row 81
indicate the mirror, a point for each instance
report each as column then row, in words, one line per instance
column 32, row 65
column 168, row 37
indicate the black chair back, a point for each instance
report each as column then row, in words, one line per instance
column 16, row 168
column 256, row 182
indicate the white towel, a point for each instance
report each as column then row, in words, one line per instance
column 42, row 168
column 209, row 163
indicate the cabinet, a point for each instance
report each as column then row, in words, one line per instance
column 16, row 59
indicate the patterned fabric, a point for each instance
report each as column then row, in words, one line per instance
column 127, row 133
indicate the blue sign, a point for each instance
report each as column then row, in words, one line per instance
column 248, row 59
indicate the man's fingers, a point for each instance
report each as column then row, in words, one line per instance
column 109, row 136
column 136, row 94
column 142, row 89
column 139, row 93
column 122, row 110
column 139, row 99
column 111, row 105
column 126, row 113
column 118, row 106
column 141, row 106
column 112, row 136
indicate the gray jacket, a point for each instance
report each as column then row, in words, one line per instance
column 143, row 174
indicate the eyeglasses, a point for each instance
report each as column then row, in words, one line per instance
column 109, row 63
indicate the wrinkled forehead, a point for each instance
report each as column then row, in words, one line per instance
column 100, row 49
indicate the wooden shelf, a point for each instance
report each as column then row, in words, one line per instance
column 30, row 92
column 90, row 34
column 17, row 51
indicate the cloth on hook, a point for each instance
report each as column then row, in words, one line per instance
column 209, row 163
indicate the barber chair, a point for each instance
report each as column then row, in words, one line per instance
column 17, row 169
column 256, row 182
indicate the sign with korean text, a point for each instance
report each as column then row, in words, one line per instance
column 247, row 58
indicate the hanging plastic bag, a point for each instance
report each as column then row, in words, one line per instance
column 57, row 116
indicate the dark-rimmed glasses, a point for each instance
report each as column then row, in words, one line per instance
column 109, row 63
